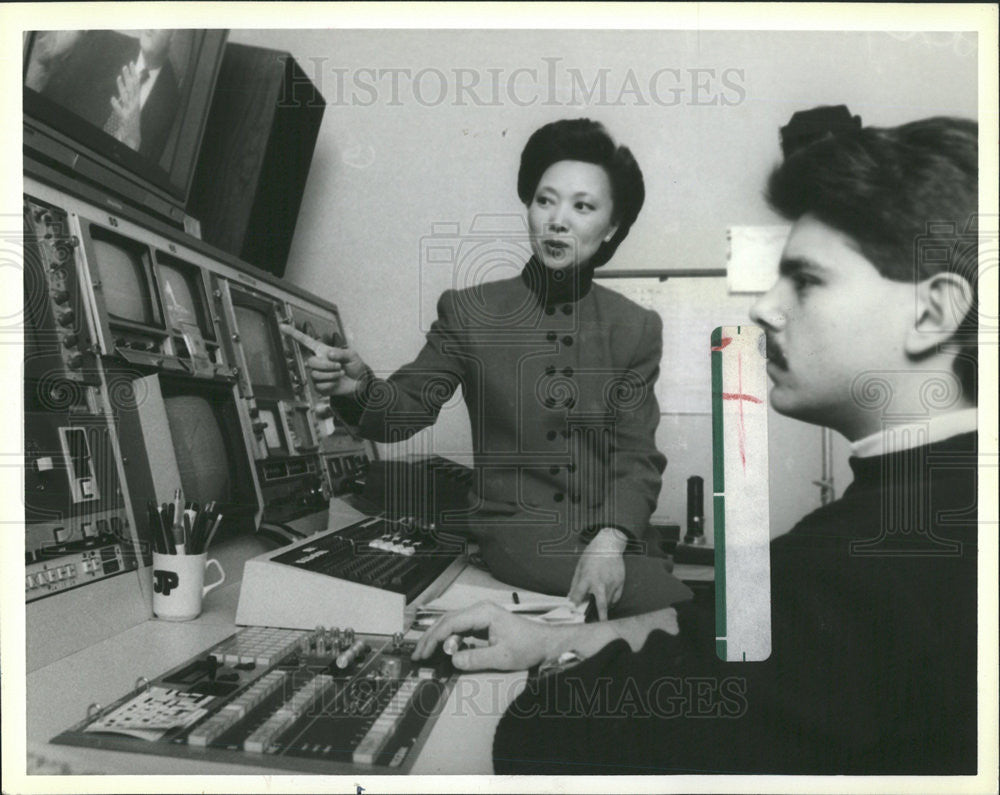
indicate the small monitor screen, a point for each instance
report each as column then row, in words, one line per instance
column 264, row 360
column 177, row 295
column 200, row 448
column 123, row 280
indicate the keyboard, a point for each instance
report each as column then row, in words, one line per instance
column 325, row 700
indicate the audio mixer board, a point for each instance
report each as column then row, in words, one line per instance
column 319, row 701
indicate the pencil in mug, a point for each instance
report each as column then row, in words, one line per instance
column 155, row 528
column 211, row 533
column 166, row 529
column 201, row 529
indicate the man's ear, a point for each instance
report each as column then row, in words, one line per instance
column 942, row 302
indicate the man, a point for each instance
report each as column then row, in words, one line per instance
column 125, row 87
column 870, row 331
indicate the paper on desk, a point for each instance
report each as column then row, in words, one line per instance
column 550, row 609
column 153, row 713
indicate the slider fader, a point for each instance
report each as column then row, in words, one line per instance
column 322, row 701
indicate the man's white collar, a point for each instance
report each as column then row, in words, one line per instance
column 894, row 438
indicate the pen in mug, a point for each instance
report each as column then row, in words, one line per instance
column 155, row 528
column 211, row 534
column 201, row 530
column 166, row 528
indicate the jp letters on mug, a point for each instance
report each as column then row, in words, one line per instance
column 164, row 581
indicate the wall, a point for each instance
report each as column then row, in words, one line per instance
column 391, row 164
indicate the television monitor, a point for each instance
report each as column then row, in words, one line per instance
column 259, row 340
column 123, row 266
column 132, row 102
column 211, row 456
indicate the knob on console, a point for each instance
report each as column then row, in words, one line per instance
column 66, row 318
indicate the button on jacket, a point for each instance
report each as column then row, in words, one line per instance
column 558, row 374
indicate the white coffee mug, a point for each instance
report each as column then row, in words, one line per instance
column 179, row 585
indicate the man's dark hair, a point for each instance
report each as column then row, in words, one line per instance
column 588, row 142
column 908, row 197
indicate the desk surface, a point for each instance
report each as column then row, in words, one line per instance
column 58, row 695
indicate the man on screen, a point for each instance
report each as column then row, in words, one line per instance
column 124, row 86
column 871, row 331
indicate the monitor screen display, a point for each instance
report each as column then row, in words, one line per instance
column 137, row 97
column 123, row 280
column 264, row 359
column 177, row 295
column 200, row 448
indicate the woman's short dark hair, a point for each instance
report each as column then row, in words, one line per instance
column 908, row 196
column 588, row 142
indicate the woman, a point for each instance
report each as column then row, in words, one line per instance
column 557, row 373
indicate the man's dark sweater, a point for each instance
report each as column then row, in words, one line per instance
column 873, row 663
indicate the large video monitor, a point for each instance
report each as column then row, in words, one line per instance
column 132, row 101
column 212, row 459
